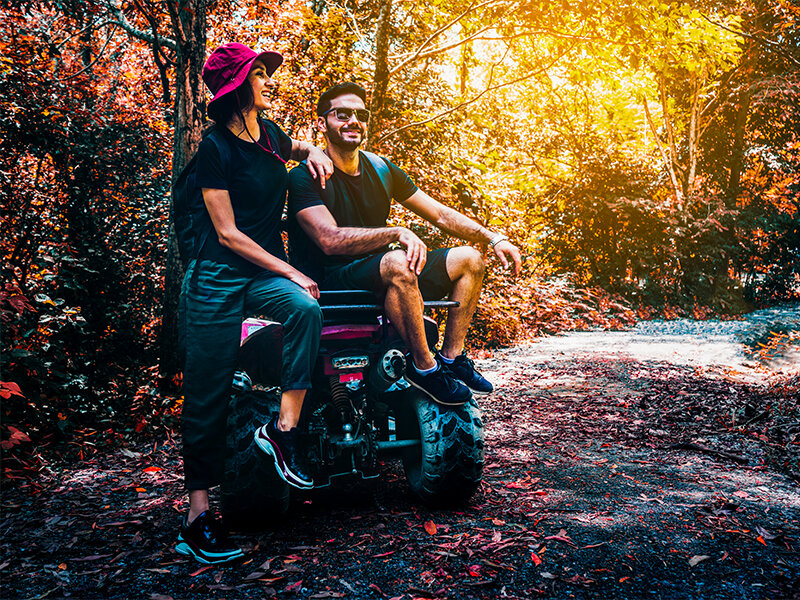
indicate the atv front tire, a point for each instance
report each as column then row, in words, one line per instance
column 447, row 467
column 253, row 495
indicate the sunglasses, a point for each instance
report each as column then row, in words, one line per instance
column 345, row 114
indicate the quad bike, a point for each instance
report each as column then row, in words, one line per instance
column 360, row 409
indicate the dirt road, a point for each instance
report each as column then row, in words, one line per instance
column 611, row 472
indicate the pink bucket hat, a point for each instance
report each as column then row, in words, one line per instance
column 228, row 66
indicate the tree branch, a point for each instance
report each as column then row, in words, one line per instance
column 92, row 25
column 177, row 24
column 490, row 88
column 161, row 60
column 477, row 36
column 357, row 30
column 120, row 19
column 775, row 45
column 436, row 33
column 419, row 54
column 667, row 161
column 91, row 64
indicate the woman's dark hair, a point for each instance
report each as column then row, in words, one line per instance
column 340, row 89
column 236, row 103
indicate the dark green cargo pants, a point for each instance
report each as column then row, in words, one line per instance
column 214, row 299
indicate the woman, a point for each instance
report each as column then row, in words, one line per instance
column 241, row 268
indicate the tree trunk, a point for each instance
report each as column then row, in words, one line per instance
column 189, row 24
column 737, row 148
column 380, row 82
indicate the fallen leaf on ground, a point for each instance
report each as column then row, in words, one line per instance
column 697, row 558
column 293, row 587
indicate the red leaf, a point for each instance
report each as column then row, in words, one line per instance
column 536, row 560
column 9, row 388
column 152, row 469
column 430, row 527
column 17, row 435
column 294, row 587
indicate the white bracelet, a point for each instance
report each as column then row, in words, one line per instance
column 497, row 239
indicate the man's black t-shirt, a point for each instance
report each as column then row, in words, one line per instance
column 256, row 181
column 353, row 200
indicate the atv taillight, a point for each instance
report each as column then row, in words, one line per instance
column 345, row 363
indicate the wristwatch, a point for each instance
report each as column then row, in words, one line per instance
column 497, row 239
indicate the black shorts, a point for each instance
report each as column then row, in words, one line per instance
column 365, row 274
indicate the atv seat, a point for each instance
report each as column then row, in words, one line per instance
column 335, row 304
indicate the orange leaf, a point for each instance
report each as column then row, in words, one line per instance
column 536, row 560
column 761, row 539
column 152, row 469
column 141, row 490
column 430, row 527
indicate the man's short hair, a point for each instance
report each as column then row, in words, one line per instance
column 340, row 89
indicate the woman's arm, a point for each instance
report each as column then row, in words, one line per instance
column 319, row 164
column 218, row 203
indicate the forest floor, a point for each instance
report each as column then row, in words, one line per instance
column 611, row 472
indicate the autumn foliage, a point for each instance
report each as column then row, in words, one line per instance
column 643, row 155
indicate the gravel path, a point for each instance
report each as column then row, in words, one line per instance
column 642, row 464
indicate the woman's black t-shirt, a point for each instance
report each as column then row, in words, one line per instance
column 256, row 181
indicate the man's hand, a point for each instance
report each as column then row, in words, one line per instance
column 306, row 283
column 319, row 164
column 416, row 250
column 508, row 253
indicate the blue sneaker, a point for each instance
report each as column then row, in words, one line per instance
column 205, row 540
column 439, row 385
column 464, row 370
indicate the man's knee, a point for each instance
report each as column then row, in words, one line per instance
column 395, row 270
column 467, row 259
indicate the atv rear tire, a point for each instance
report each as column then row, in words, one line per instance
column 447, row 467
column 253, row 495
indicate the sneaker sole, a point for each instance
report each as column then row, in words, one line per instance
column 434, row 398
column 185, row 549
column 475, row 392
column 269, row 447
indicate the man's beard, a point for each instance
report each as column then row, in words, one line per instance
column 335, row 139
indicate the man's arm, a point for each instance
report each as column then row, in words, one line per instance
column 454, row 223
column 320, row 226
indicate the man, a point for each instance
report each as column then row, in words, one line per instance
column 350, row 240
